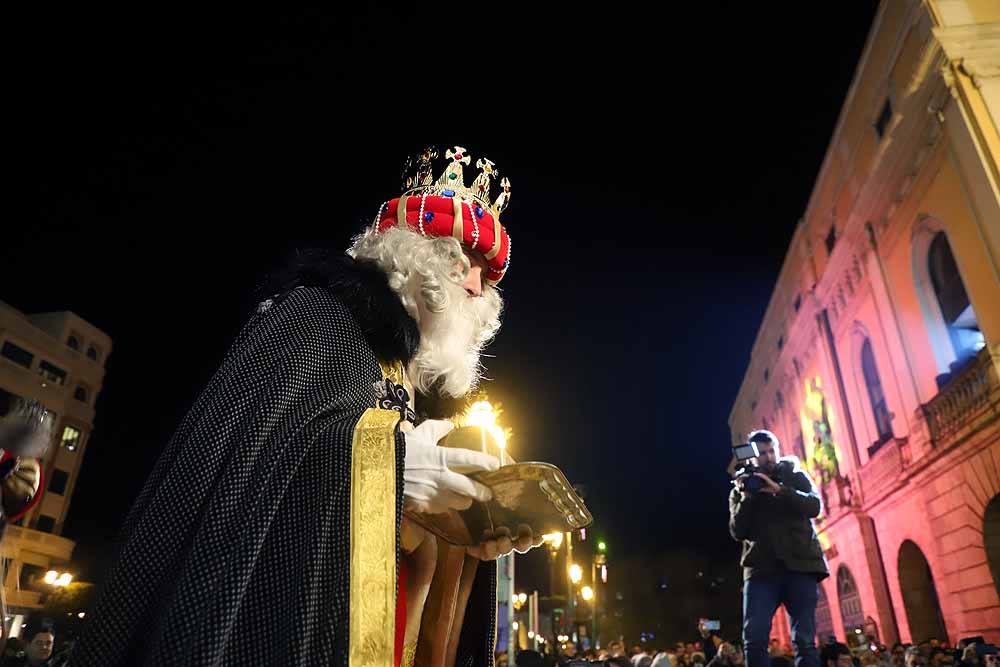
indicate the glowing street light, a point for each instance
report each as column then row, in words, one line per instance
column 554, row 540
column 482, row 414
column 61, row 579
column 575, row 573
column 602, row 546
column 587, row 593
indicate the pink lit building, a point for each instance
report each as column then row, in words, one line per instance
column 878, row 359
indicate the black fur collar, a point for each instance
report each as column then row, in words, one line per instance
column 364, row 289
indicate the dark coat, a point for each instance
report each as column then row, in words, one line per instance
column 237, row 550
column 777, row 531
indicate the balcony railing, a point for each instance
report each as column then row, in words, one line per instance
column 882, row 469
column 55, row 546
column 20, row 598
column 966, row 404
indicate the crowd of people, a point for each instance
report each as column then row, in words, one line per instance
column 713, row 651
column 36, row 647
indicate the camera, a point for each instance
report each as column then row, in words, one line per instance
column 744, row 453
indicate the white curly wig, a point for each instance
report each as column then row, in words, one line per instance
column 427, row 274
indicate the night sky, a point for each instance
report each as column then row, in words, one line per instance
column 658, row 165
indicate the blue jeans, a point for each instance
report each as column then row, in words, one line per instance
column 761, row 596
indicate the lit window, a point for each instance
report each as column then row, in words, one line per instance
column 17, row 354
column 52, row 373
column 70, row 438
column 959, row 317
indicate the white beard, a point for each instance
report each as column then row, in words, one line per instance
column 426, row 274
column 451, row 341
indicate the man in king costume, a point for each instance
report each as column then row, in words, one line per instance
column 271, row 530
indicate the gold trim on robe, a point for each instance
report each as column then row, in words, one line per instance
column 373, row 540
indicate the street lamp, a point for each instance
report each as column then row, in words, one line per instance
column 482, row 414
column 61, row 579
column 575, row 573
column 587, row 593
column 599, row 560
column 554, row 540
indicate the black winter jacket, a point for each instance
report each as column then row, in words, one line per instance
column 776, row 530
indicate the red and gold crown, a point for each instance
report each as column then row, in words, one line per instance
column 446, row 207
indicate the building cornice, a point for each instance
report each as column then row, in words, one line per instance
column 974, row 47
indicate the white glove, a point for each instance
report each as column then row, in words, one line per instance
column 433, row 477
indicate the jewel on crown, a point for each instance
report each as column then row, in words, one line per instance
column 418, row 179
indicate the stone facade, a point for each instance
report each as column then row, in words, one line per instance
column 878, row 359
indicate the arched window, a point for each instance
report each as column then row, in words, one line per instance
column 876, row 396
column 80, row 394
column 74, row 343
column 956, row 309
column 850, row 601
column 991, row 538
column 92, row 353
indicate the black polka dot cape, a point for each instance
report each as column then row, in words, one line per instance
column 237, row 550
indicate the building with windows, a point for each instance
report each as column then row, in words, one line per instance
column 878, row 359
column 57, row 359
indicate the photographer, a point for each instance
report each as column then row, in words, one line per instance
column 771, row 508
